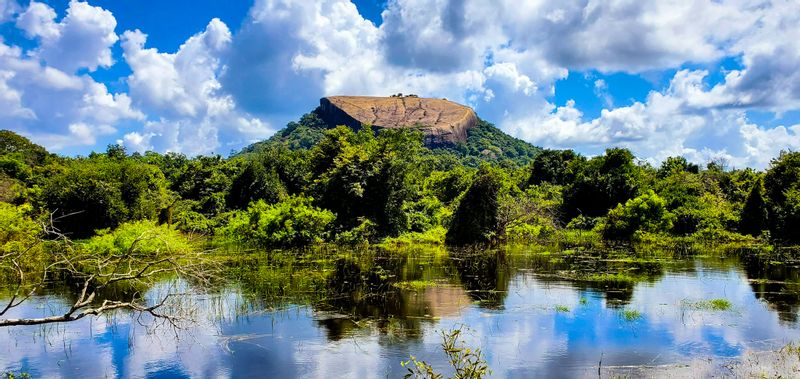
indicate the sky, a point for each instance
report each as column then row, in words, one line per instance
column 705, row 79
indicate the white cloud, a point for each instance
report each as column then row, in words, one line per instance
column 8, row 8
column 38, row 21
column 220, row 90
column 83, row 39
column 42, row 98
column 181, row 91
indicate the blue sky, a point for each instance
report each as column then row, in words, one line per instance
column 702, row 79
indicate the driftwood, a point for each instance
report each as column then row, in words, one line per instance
column 96, row 272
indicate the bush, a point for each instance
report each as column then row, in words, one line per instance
column 139, row 237
column 17, row 229
column 294, row 222
column 647, row 212
column 362, row 234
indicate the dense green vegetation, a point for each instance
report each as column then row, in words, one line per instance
column 312, row 183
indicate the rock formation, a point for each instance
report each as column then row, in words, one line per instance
column 443, row 122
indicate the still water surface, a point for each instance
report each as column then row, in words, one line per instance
column 532, row 315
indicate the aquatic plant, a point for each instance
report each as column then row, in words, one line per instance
column 709, row 305
column 467, row 363
column 562, row 308
column 631, row 314
column 415, row 285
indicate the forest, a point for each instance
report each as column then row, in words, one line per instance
column 314, row 184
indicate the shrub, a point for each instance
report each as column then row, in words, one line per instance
column 17, row 229
column 139, row 237
column 362, row 234
column 294, row 222
column 647, row 212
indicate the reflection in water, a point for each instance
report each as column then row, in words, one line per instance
column 360, row 314
column 775, row 280
column 484, row 275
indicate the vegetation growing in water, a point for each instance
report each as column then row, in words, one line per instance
column 466, row 362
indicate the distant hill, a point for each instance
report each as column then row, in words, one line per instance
column 448, row 127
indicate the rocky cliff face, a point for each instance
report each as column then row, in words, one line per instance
column 443, row 122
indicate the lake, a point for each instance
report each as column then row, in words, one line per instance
column 532, row 312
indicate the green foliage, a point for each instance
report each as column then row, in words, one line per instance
column 707, row 212
column 647, row 212
column 709, row 305
column 631, row 315
column 14, row 144
column 754, row 217
column 384, row 185
column 475, row 219
column 782, row 184
column 303, row 134
column 530, row 215
column 435, row 236
column 13, row 166
column 294, row 222
column 360, row 175
column 255, row 182
column 553, row 166
column 99, row 193
column 601, row 183
column 487, row 142
column 448, row 185
column 467, row 363
column 676, row 165
column 137, row 238
column 18, row 231
column 204, row 179
column 362, row 234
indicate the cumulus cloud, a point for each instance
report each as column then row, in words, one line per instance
column 8, row 8
column 221, row 90
column 44, row 98
column 190, row 111
column 83, row 39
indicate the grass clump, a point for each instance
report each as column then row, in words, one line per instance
column 562, row 309
column 415, row 285
column 618, row 278
column 710, row 305
column 631, row 314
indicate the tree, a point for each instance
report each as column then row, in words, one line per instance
column 601, row 184
column 363, row 176
column 476, row 218
column 98, row 193
column 754, row 218
column 552, row 166
column 255, row 182
column 13, row 144
column 782, row 184
column 647, row 212
column 674, row 165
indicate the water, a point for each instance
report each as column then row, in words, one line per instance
column 533, row 315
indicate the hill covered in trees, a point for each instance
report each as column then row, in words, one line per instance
column 445, row 127
column 315, row 183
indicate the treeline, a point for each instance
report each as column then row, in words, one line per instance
column 356, row 187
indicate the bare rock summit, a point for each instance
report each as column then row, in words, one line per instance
column 443, row 122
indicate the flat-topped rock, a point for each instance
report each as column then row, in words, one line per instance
column 442, row 121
